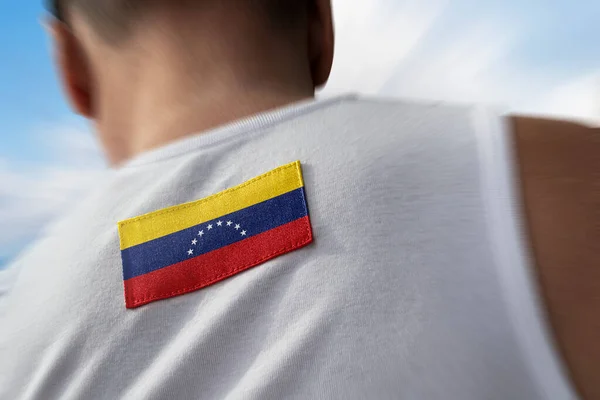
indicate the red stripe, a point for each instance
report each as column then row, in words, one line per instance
column 213, row 267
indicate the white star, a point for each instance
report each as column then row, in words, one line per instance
column 201, row 233
column 229, row 223
column 209, row 227
column 220, row 223
column 194, row 242
column 190, row 252
column 237, row 227
column 243, row 233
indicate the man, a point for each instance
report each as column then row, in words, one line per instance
column 252, row 243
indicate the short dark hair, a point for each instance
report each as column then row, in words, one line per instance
column 112, row 19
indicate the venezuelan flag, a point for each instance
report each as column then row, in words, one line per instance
column 185, row 248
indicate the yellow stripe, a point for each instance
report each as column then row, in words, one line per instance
column 170, row 220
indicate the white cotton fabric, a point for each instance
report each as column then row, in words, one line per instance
column 417, row 285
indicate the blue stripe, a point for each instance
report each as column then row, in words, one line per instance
column 172, row 249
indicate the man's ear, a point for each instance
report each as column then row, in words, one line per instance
column 320, row 41
column 72, row 66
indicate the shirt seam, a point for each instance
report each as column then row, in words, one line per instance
column 512, row 258
column 243, row 128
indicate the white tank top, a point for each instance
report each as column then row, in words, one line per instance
column 417, row 284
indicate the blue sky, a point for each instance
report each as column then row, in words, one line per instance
column 527, row 55
column 29, row 93
column 42, row 145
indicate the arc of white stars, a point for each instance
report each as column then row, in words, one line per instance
column 209, row 227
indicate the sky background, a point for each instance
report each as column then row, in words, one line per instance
column 528, row 56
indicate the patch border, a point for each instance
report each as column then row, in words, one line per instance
column 301, row 227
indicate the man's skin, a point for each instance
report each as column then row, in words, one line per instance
column 559, row 164
column 183, row 71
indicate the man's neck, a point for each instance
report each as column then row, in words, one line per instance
column 169, row 86
column 160, row 125
column 160, row 119
column 204, row 113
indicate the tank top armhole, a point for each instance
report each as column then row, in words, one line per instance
column 514, row 263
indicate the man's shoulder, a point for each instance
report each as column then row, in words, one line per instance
column 392, row 124
column 564, row 138
column 558, row 157
column 559, row 165
column 404, row 108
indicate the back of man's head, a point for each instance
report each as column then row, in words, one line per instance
column 115, row 20
column 148, row 65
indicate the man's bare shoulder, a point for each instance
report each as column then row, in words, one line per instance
column 559, row 165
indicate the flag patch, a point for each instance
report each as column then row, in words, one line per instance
column 185, row 248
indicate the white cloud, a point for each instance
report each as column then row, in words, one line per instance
column 460, row 69
column 32, row 195
column 577, row 98
column 70, row 142
column 403, row 49
column 373, row 37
